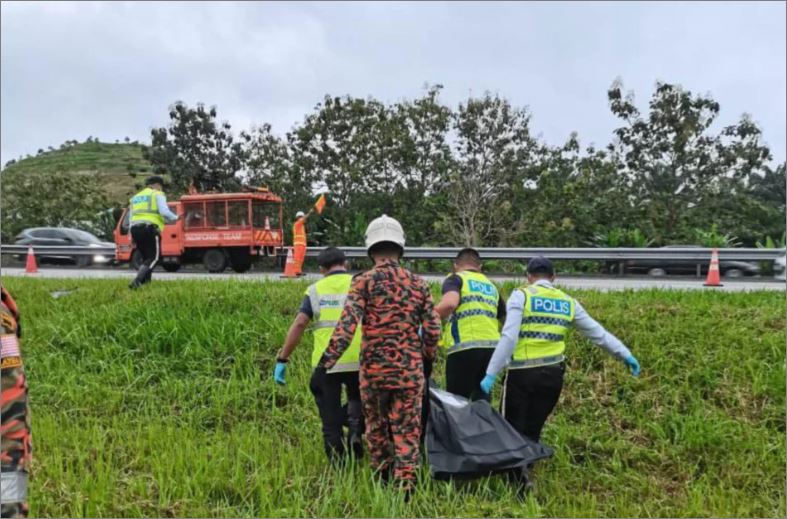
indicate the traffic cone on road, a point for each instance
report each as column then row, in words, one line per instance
column 713, row 279
column 30, row 266
column 289, row 267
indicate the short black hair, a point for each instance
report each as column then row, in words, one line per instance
column 468, row 255
column 155, row 179
column 386, row 248
column 540, row 265
column 330, row 257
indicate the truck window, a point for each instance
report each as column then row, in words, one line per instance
column 239, row 213
column 124, row 223
column 195, row 215
column 217, row 214
column 263, row 209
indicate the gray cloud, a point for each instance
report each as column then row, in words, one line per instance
column 110, row 70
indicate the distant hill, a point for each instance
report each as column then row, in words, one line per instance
column 119, row 168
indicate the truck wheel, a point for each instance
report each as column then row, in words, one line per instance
column 136, row 260
column 215, row 260
column 240, row 260
column 171, row 267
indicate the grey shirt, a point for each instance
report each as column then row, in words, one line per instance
column 586, row 325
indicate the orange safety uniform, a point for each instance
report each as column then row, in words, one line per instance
column 299, row 243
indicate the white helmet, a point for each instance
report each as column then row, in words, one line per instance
column 383, row 229
column 300, row 214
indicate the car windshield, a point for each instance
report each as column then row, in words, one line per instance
column 83, row 236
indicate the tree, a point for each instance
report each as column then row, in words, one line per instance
column 34, row 198
column 196, row 148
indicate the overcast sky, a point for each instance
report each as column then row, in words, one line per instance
column 70, row 70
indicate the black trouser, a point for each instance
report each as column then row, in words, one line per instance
column 464, row 371
column 530, row 395
column 147, row 239
column 328, row 397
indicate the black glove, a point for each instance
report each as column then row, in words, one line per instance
column 428, row 365
column 317, row 381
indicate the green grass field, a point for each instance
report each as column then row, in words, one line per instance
column 109, row 163
column 160, row 402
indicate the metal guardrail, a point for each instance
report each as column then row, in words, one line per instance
column 489, row 253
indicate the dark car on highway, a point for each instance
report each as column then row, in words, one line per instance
column 663, row 267
column 64, row 236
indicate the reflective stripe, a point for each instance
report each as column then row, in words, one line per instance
column 325, row 324
column 546, row 320
column 531, row 363
column 541, row 335
column 344, row 367
column 314, row 299
column 145, row 211
column 474, row 312
column 470, row 345
column 13, row 487
column 478, row 299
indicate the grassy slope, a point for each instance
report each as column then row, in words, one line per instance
column 185, row 420
column 108, row 162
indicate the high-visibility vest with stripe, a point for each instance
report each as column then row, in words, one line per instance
column 546, row 317
column 299, row 232
column 327, row 298
column 144, row 208
column 474, row 322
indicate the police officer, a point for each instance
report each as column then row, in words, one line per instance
column 323, row 303
column 533, row 341
column 149, row 212
column 473, row 330
column 16, row 448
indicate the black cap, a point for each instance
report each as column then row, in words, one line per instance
column 155, row 179
column 540, row 265
column 331, row 256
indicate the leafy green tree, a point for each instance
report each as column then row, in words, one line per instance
column 196, row 148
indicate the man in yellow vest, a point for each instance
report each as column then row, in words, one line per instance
column 323, row 303
column 149, row 213
column 474, row 310
column 532, row 344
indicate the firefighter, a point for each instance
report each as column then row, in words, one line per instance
column 475, row 309
column 322, row 303
column 299, row 240
column 390, row 303
column 537, row 320
column 15, row 453
column 149, row 212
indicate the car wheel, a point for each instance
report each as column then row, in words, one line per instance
column 136, row 260
column 733, row 273
column 657, row 272
column 215, row 260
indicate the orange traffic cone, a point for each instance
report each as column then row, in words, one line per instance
column 289, row 267
column 713, row 279
column 30, row 266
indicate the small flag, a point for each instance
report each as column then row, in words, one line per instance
column 320, row 205
column 10, row 346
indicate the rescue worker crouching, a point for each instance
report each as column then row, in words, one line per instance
column 390, row 303
column 533, row 341
column 15, row 444
column 322, row 303
column 474, row 310
column 149, row 213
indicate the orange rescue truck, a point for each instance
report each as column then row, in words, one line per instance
column 217, row 229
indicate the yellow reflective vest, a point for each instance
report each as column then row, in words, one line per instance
column 144, row 208
column 327, row 298
column 547, row 314
column 474, row 323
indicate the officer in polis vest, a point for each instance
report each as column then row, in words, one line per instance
column 532, row 344
column 323, row 303
column 474, row 310
column 149, row 213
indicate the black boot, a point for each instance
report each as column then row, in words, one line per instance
column 143, row 275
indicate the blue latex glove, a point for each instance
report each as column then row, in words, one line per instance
column 278, row 373
column 632, row 364
column 488, row 383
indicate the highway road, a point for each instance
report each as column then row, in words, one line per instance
column 569, row 282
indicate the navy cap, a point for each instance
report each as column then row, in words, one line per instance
column 540, row 265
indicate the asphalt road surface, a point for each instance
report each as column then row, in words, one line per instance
column 594, row 283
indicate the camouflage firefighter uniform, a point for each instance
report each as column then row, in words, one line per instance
column 15, row 427
column 390, row 303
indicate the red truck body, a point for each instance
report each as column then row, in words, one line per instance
column 219, row 230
